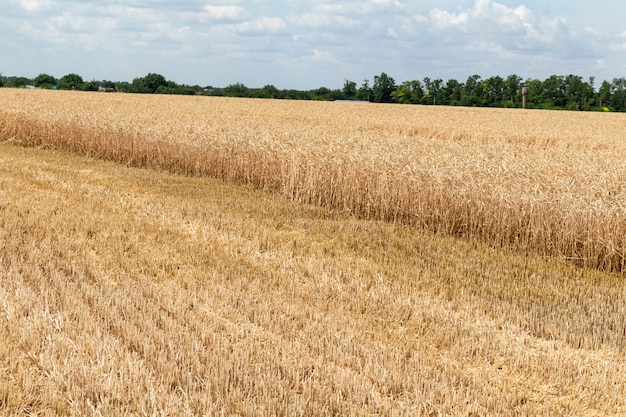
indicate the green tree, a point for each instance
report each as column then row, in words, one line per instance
column 437, row 91
column 493, row 91
column 427, row 98
column 92, row 85
column 321, row 93
column 402, row 94
column 512, row 89
column 577, row 93
column 553, row 92
column 20, row 82
column 349, row 90
column 236, row 90
column 452, row 93
column 383, row 86
column 139, row 86
column 148, row 84
column 472, row 92
column 45, row 81
column 71, row 82
column 618, row 94
column 604, row 94
column 292, row 94
column 124, row 86
column 153, row 81
column 171, row 87
column 433, row 91
column 364, row 92
column 409, row 92
column 326, row 94
column 270, row 91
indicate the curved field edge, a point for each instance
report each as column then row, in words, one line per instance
column 554, row 197
column 134, row 292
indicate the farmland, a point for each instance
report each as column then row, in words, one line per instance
column 551, row 183
column 308, row 258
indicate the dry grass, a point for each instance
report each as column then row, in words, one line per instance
column 551, row 183
column 136, row 292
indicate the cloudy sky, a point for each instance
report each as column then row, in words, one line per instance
column 306, row 44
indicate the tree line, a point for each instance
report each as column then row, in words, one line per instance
column 570, row 92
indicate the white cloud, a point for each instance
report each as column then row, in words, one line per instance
column 481, row 7
column 420, row 19
column 442, row 19
column 509, row 31
column 525, row 14
column 33, row 5
column 72, row 23
column 318, row 40
column 324, row 56
column 262, row 25
column 358, row 7
column 319, row 21
column 339, row 8
column 130, row 17
column 225, row 12
column 619, row 43
column 386, row 5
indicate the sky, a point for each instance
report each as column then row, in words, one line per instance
column 306, row 44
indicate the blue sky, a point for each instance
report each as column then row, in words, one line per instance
column 307, row 44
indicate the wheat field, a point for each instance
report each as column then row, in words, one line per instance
column 163, row 291
column 547, row 182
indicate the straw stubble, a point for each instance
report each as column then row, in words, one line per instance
column 137, row 292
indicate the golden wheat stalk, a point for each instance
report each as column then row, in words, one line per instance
column 547, row 182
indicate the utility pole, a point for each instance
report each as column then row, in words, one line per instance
column 524, row 95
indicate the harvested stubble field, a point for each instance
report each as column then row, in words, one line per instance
column 127, row 291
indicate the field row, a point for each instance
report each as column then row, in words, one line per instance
column 553, row 183
column 135, row 292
